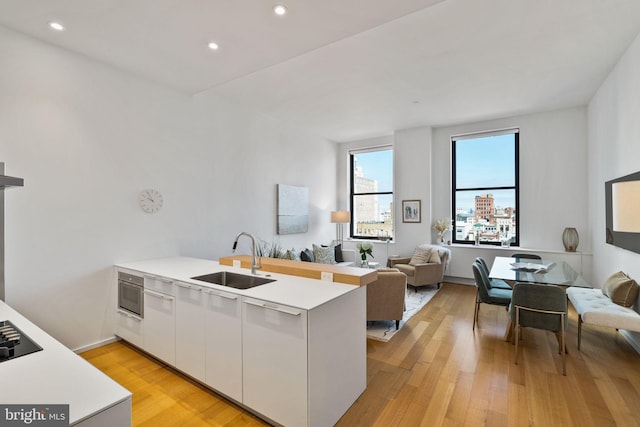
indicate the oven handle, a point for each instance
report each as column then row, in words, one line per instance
column 130, row 315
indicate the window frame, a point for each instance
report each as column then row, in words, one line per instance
column 353, row 194
column 486, row 190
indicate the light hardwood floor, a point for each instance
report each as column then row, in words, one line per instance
column 435, row 372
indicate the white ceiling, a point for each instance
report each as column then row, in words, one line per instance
column 349, row 69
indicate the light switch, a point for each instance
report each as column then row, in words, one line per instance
column 325, row 275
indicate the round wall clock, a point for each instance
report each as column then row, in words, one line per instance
column 150, row 200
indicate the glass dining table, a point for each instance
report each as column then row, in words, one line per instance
column 543, row 271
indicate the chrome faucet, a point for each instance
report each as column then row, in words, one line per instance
column 254, row 266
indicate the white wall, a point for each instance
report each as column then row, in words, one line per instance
column 412, row 181
column 87, row 138
column 553, row 185
column 614, row 151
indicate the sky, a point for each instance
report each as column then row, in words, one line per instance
column 481, row 162
column 378, row 165
column 485, row 162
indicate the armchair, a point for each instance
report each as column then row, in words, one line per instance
column 423, row 270
column 385, row 296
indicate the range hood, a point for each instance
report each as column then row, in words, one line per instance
column 10, row 181
column 5, row 182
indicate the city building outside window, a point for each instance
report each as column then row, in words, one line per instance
column 371, row 178
column 485, row 188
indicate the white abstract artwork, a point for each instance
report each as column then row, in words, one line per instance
column 293, row 209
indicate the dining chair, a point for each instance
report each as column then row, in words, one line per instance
column 485, row 293
column 540, row 306
column 495, row 283
column 526, row 256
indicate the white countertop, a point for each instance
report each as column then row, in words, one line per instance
column 294, row 291
column 55, row 375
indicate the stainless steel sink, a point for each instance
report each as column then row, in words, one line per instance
column 233, row 280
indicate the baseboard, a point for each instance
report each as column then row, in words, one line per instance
column 459, row 280
column 630, row 339
column 96, row 345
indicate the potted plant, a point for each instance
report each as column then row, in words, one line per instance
column 365, row 249
column 442, row 226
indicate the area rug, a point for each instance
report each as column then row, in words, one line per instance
column 384, row 330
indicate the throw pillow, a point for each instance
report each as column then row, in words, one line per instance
column 434, row 258
column 621, row 289
column 324, row 255
column 291, row 255
column 306, row 255
column 420, row 256
column 338, row 253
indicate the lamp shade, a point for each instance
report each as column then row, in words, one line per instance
column 626, row 206
column 340, row 217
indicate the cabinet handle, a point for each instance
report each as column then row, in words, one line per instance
column 220, row 294
column 159, row 279
column 274, row 308
column 157, row 295
column 185, row 286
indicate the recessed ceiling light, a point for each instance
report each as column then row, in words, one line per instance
column 279, row 10
column 213, row 46
column 56, row 26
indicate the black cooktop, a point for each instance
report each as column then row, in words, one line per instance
column 13, row 343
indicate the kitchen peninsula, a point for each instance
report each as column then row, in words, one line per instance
column 292, row 351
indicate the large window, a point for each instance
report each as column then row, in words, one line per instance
column 485, row 187
column 372, row 193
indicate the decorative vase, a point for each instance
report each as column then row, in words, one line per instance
column 570, row 239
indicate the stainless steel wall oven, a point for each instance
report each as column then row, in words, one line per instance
column 131, row 293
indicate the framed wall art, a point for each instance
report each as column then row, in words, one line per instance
column 293, row 209
column 411, row 211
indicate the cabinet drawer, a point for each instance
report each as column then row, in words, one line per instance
column 159, row 284
column 130, row 328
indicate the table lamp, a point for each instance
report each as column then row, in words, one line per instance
column 339, row 218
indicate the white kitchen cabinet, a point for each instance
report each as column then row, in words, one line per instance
column 292, row 351
column 130, row 328
column 159, row 337
column 274, row 342
column 223, row 340
column 304, row 368
column 190, row 325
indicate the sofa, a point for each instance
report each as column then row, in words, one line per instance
column 385, row 296
column 425, row 267
column 329, row 254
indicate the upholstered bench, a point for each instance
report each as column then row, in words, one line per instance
column 596, row 308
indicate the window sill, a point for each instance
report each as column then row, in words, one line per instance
column 513, row 249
